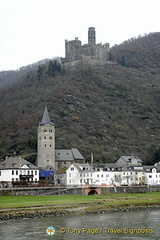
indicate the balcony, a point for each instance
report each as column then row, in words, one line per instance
column 26, row 177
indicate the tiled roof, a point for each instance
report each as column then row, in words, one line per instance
column 15, row 162
column 68, row 155
column 129, row 158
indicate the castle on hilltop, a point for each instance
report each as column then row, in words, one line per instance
column 74, row 50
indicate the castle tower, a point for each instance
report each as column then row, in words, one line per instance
column 91, row 36
column 46, row 142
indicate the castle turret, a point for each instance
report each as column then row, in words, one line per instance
column 91, row 36
column 46, row 142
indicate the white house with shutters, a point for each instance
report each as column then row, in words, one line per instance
column 81, row 175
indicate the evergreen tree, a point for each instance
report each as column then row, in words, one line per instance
column 51, row 69
column 39, row 72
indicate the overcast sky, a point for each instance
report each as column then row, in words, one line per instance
column 32, row 30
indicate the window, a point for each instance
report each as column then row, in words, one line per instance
column 50, row 145
column 69, row 174
column 97, row 175
column 0, row 173
column 50, row 138
column 72, row 168
column 45, row 137
column 32, row 172
column 50, row 130
column 45, row 130
column 35, row 172
column 12, row 172
column 16, row 179
column 16, row 172
column 150, row 176
column 28, row 172
column 87, row 174
column 45, row 145
column 70, row 181
column 102, row 175
column 80, row 180
column 91, row 174
column 12, row 179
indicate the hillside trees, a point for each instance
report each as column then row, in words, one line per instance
column 53, row 67
column 140, row 53
column 110, row 109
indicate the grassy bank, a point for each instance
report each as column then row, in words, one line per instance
column 15, row 207
column 63, row 200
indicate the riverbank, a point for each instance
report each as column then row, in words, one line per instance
column 16, row 207
column 8, row 214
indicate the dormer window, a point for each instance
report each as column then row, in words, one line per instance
column 14, row 164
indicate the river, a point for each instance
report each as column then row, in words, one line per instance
column 140, row 225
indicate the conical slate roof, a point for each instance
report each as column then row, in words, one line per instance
column 46, row 118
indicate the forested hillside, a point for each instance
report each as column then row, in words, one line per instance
column 141, row 53
column 110, row 110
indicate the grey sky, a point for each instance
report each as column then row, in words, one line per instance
column 32, row 30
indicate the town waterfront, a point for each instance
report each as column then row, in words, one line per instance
column 136, row 225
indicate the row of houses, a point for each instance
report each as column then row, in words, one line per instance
column 127, row 170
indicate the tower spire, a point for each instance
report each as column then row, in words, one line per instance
column 46, row 118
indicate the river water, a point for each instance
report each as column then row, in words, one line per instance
column 140, row 225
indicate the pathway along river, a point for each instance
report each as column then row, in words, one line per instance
column 140, row 225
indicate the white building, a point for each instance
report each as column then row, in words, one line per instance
column 153, row 175
column 81, row 175
column 129, row 171
column 15, row 169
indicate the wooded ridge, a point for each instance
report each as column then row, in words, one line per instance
column 107, row 109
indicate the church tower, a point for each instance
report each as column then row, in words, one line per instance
column 46, row 142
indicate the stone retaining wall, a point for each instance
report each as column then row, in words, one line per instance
column 76, row 191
